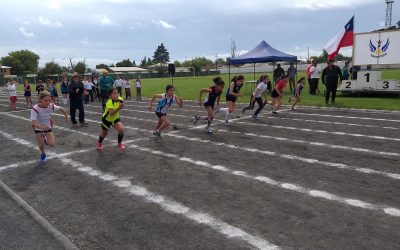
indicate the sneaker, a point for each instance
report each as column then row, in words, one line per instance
column 84, row 124
column 45, row 139
column 243, row 110
column 274, row 112
column 292, row 109
column 157, row 134
column 226, row 122
column 209, row 130
column 195, row 119
column 99, row 146
column 326, row 106
column 43, row 158
column 121, row 146
column 255, row 117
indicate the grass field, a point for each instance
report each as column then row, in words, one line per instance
column 188, row 88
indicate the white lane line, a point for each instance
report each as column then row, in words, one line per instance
column 288, row 186
column 167, row 204
column 57, row 235
column 246, row 149
column 347, row 117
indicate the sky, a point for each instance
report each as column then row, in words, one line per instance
column 108, row 31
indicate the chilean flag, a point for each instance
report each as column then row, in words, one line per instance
column 343, row 39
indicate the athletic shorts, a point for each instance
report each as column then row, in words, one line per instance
column 27, row 93
column 13, row 98
column 159, row 114
column 231, row 98
column 274, row 94
column 208, row 105
column 41, row 131
column 106, row 125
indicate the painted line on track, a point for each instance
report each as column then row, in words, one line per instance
column 165, row 203
column 269, row 181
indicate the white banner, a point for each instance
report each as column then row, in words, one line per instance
column 377, row 48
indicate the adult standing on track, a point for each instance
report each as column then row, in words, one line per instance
column 278, row 73
column 292, row 72
column 315, row 70
column 330, row 77
column 75, row 99
column 138, row 84
column 119, row 83
column 106, row 83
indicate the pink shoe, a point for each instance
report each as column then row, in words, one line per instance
column 99, row 146
column 121, row 146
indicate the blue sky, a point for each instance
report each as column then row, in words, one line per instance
column 107, row 31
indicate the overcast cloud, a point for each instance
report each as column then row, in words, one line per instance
column 107, row 31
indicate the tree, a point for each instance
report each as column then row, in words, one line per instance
column 177, row 63
column 220, row 61
column 323, row 58
column 199, row 63
column 101, row 66
column 22, row 62
column 149, row 62
column 124, row 63
column 161, row 55
column 143, row 62
column 50, row 68
column 80, row 67
column 133, row 63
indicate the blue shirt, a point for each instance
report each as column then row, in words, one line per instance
column 164, row 104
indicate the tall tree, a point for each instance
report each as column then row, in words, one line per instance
column 101, row 66
column 124, row 63
column 177, row 63
column 149, row 62
column 50, row 68
column 143, row 62
column 22, row 62
column 80, row 67
column 161, row 55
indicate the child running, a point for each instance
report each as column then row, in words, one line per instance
column 277, row 97
column 167, row 100
column 232, row 93
column 299, row 87
column 28, row 93
column 263, row 85
column 213, row 94
column 111, row 118
column 42, row 122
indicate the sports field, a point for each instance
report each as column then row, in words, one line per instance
column 310, row 179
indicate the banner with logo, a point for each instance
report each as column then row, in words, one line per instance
column 376, row 48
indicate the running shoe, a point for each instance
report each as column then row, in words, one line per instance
column 195, row 119
column 255, row 117
column 121, row 146
column 157, row 134
column 99, row 146
column 243, row 110
column 226, row 122
column 43, row 158
column 292, row 109
column 84, row 124
column 209, row 130
column 274, row 112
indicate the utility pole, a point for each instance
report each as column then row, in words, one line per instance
column 216, row 63
column 388, row 20
column 308, row 54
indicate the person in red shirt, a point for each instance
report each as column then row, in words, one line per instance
column 277, row 97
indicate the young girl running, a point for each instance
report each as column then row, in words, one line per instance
column 213, row 94
column 42, row 122
column 27, row 93
column 297, row 93
column 232, row 93
column 264, row 82
column 167, row 100
column 277, row 97
column 111, row 118
column 12, row 90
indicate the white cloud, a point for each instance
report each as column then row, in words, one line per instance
column 26, row 33
column 163, row 24
column 104, row 20
column 84, row 41
column 47, row 22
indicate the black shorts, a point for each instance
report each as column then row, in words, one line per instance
column 159, row 114
column 27, row 93
column 40, row 131
column 105, row 125
column 230, row 98
column 274, row 94
column 209, row 105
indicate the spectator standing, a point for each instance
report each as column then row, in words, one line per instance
column 64, row 90
column 315, row 72
column 12, row 90
column 105, row 83
column 127, row 86
column 278, row 73
column 292, row 72
column 330, row 77
column 27, row 93
column 75, row 99
column 345, row 71
column 39, row 87
column 138, row 84
column 88, row 84
column 119, row 83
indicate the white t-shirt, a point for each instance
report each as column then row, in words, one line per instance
column 127, row 84
column 43, row 115
column 262, row 87
column 119, row 83
column 12, row 89
column 315, row 71
column 88, row 85
column 138, row 84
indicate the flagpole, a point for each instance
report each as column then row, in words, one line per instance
column 352, row 53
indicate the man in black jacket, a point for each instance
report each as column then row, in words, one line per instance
column 330, row 77
column 75, row 95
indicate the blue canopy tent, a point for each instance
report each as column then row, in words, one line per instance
column 262, row 53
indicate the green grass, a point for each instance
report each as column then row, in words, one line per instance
column 188, row 88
